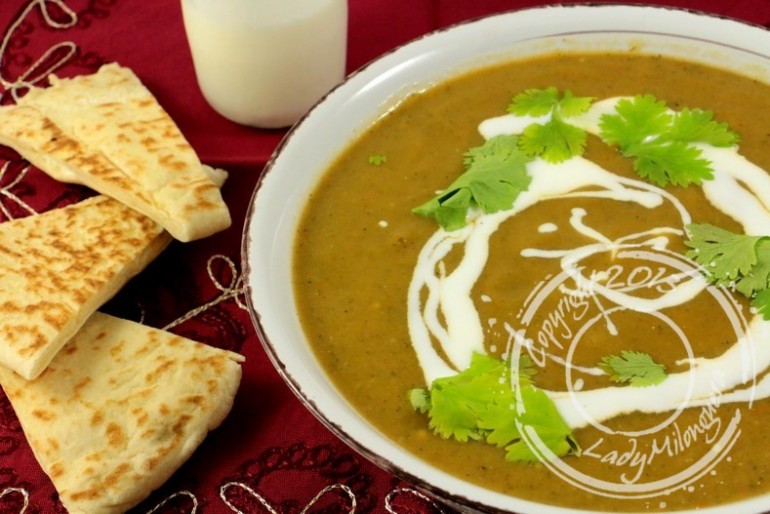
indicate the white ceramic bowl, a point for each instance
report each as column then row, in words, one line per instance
column 304, row 155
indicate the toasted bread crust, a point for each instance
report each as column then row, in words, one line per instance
column 108, row 132
column 120, row 408
column 58, row 267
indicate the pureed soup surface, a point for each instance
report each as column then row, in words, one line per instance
column 699, row 441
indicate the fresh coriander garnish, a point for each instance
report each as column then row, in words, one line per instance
column 495, row 175
column 378, row 159
column 480, row 403
column 733, row 260
column 761, row 303
column 662, row 141
column 730, row 259
column 539, row 102
column 635, row 368
column 555, row 140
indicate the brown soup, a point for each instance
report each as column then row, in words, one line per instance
column 359, row 242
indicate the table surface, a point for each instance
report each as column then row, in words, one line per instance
column 270, row 455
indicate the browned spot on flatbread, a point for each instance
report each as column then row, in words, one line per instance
column 9, row 251
column 149, row 142
column 97, row 418
column 109, row 481
column 197, row 400
column 115, row 435
column 171, row 162
column 116, row 352
column 43, row 414
column 37, row 340
column 159, row 456
column 180, row 424
column 57, row 470
column 94, row 457
column 56, row 315
column 88, row 494
column 13, row 393
column 213, row 362
column 178, row 430
column 141, row 416
column 53, row 444
column 164, row 364
column 81, row 384
column 69, row 349
column 108, row 110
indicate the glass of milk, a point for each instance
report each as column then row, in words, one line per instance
column 264, row 63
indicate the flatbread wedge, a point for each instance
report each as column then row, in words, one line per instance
column 119, row 409
column 58, row 267
column 108, row 132
column 43, row 143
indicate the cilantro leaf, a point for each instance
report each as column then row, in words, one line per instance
column 636, row 120
column 450, row 210
column 420, row 400
column 526, row 371
column 457, row 400
column 539, row 413
column 675, row 162
column 500, row 419
column 495, row 175
column 555, row 140
column 539, row 102
column 734, row 260
column 662, row 141
column 480, row 403
column 727, row 257
column 758, row 279
column 761, row 303
column 377, row 159
column 534, row 102
column 571, row 105
column 698, row 126
column 636, row 368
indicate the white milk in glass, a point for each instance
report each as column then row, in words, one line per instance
column 264, row 63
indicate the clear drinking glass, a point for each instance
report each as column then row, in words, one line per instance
column 264, row 63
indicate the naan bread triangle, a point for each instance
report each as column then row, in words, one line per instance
column 43, row 144
column 58, row 267
column 111, row 134
column 119, row 409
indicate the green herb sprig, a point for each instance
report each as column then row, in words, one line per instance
column 480, row 403
column 377, row 159
column 555, row 140
column 636, row 368
column 495, row 175
column 662, row 142
column 733, row 260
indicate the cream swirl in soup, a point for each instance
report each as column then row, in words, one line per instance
column 448, row 315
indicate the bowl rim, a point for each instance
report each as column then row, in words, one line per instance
column 299, row 388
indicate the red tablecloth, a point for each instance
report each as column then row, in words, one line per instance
column 270, row 455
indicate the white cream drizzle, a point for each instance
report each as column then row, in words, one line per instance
column 547, row 228
column 740, row 189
